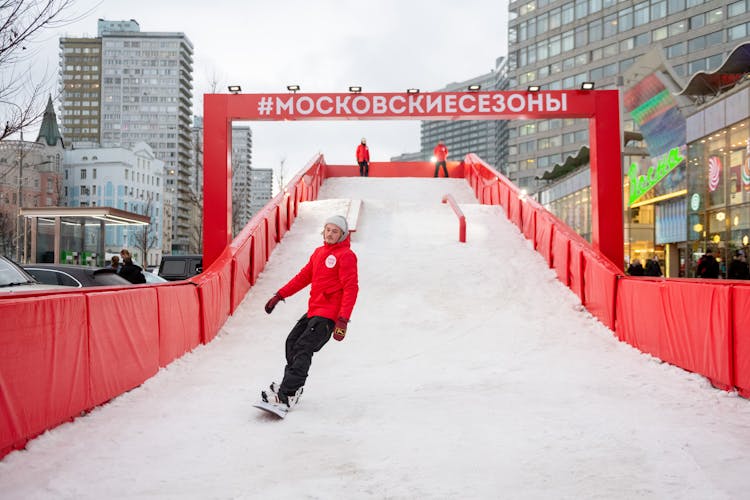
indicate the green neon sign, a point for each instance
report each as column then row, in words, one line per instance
column 641, row 184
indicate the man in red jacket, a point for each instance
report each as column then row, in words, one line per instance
column 332, row 272
column 363, row 159
column 441, row 154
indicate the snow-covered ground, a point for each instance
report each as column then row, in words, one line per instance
column 468, row 371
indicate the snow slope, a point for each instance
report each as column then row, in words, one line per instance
column 468, row 371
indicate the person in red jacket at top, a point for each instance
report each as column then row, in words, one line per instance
column 363, row 158
column 441, row 154
column 332, row 272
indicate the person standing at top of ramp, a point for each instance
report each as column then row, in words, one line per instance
column 332, row 272
column 441, row 155
column 363, row 158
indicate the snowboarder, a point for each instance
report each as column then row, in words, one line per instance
column 332, row 272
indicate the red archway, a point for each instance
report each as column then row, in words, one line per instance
column 601, row 107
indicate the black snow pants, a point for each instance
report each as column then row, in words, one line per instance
column 307, row 337
column 437, row 168
column 364, row 169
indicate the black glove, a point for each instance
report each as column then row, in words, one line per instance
column 272, row 302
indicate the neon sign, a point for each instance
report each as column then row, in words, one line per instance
column 641, row 184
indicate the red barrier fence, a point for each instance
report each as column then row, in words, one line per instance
column 461, row 218
column 699, row 325
column 53, row 366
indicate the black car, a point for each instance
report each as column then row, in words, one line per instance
column 77, row 276
column 180, row 267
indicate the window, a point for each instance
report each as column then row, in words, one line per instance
column 697, row 21
column 625, row 20
column 675, row 6
column 737, row 8
column 677, row 28
column 93, row 173
column 83, row 173
column 659, row 34
column 658, row 9
column 595, row 30
column 737, row 32
column 715, row 16
column 610, row 25
column 641, row 16
column 676, row 50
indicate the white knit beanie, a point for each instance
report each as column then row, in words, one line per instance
column 340, row 221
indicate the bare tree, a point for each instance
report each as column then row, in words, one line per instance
column 145, row 238
column 22, row 97
column 280, row 176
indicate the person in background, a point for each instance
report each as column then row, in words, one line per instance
column 738, row 268
column 707, row 267
column 363, row 158
column 441, row 155
column 635, row 268
column 115, row 263
column 652, row 267
column 332, row 272
column 131, row 272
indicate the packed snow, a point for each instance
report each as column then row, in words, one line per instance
column 468, row 371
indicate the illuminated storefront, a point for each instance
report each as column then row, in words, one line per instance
column 719, row 190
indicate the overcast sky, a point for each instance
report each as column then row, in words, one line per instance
column 324, row 46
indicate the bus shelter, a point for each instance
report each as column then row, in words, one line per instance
column 72, row 235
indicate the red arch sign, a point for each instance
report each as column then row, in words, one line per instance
column 601, row 107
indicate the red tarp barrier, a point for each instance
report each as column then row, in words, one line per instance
column 271, row 233
column 561, row 254
column 543, row 238
column 528, row 215
column 258, row 255
column 575, row 269
column 741, row 319
column 504, row 198
column 180, row 329
column 44, row 365
column 241, row 273
column 698, row 329
column 515, row 210
column 214, row 292
column 600, row 287
column 639, row 313
column 123, row 340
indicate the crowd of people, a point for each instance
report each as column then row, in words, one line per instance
column 707, row 267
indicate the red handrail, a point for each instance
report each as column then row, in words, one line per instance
column 461, row 218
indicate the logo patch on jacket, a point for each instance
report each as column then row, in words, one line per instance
column 330, row 261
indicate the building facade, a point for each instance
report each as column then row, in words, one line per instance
column 128, row 179
column 559, row 44
column 144, row 82
column 30, row 176
column 242, row 163
column 486, row 138
column 261, row 188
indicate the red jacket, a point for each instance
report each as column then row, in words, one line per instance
column 332, row 270
column 363, row 154
column 440, row 152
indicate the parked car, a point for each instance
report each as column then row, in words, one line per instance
column 14, row 279
column 77, row 276
column 153, row 277
column 180, row 267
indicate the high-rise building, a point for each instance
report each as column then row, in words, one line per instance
column 486, row 138
column 242, row 162
column 126, row 87
column 559, row 44
column 196, row 188
column 261, row 188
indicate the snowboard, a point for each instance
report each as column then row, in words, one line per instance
column 277, row 410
